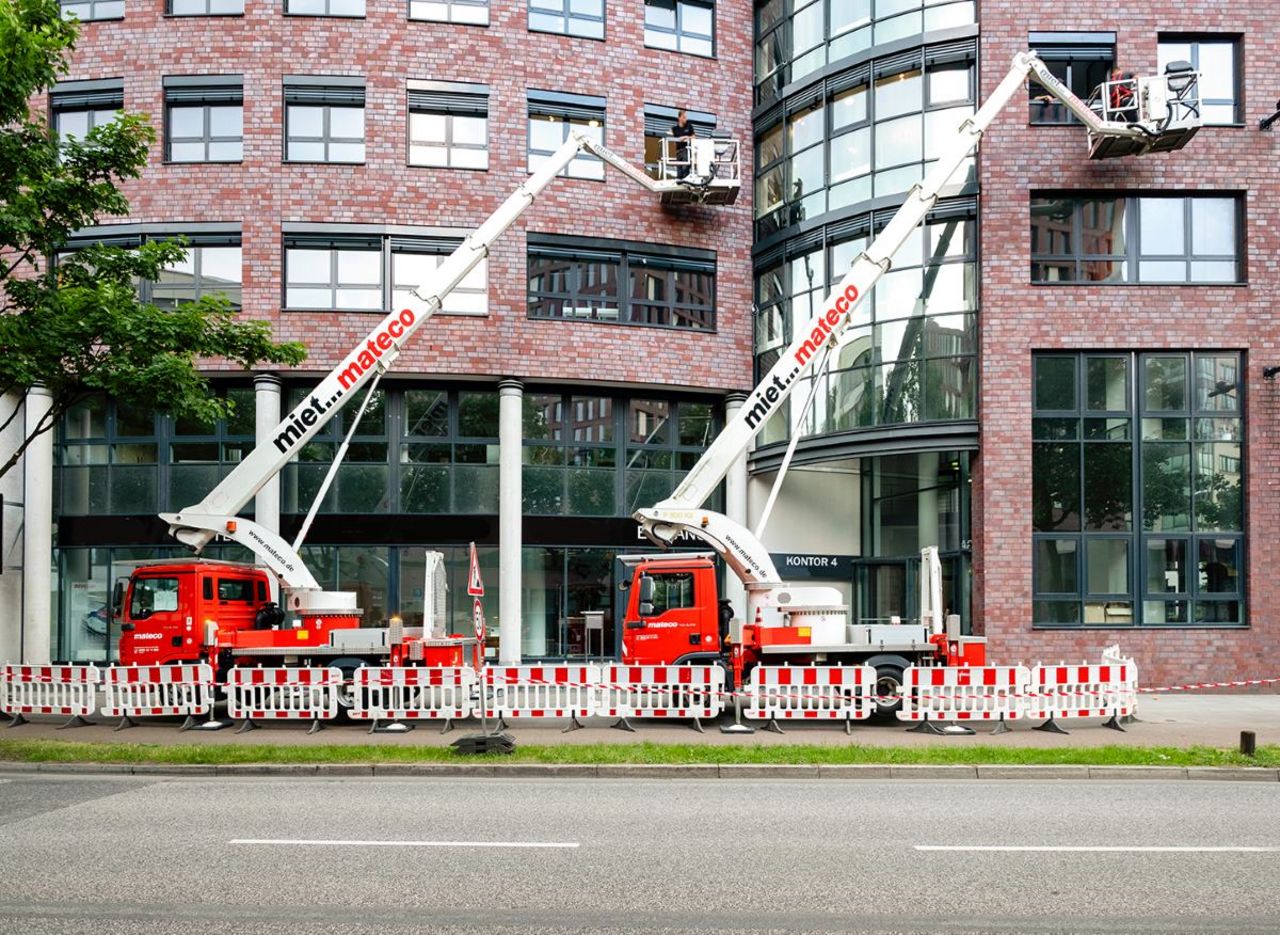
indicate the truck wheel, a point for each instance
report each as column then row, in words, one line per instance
column 888, row 690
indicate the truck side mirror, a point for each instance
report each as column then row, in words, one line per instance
column 646, row 588
column 117, row 599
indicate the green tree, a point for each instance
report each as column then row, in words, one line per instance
column 77, row 326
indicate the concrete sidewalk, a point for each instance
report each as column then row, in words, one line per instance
column 1166, row 720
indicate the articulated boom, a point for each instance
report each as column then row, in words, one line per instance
column 742, row 551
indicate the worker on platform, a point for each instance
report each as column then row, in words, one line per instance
column 1123, row 96
column 682, row 128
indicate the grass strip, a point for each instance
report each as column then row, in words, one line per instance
column 66, row 751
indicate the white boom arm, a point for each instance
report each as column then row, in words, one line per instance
column 741, row 549
column 215, row 515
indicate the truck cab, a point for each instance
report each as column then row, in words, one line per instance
column 168, row 608
column 672, row 609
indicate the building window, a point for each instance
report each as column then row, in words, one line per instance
column 324, row 7
column 658, row 121
column 1217, row 59
column 1137, row 511
column 448, row 125
column 798, row 38
column 474, row 12
column 324, row 119
column 363, row 481
column 449, row 452
column 680, row 25
column 869, row 132
column 86, row 10
column 552, row 117
column 1107, row 238
column 213, row 264
column 76, row 107
column 353, row 271
column 1080, row 60
column 909, row 355
column 571, row 17
column 206, row 8
column 204, row 118
column 622, row 284
column 664, row 441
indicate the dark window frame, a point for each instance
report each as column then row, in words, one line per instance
column 679, row 33
column 327, row 12
column 92, row 5
column 450, row 5
column 204, row 92
column 207, row 11
column 450, row 101
column 568, row 17
column 569, row 110
column 1196, row 40
column 1081, row 60
column 326, row 94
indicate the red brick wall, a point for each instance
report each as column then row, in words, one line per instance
column 387, row 49
column 1018, row 319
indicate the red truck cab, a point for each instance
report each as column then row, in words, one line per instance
column 673, row 610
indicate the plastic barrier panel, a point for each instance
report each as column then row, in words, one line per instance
column 662, row 691
column 541, row 691
column 413, row 693
column 155, row 691
column 68, row 690
column 964, row 693
column 283, row 694
column 810, row 692
column 1081, row 691
column 1111, row 656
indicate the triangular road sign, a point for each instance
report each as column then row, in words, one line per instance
column 475, row 587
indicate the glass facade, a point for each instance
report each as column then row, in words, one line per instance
column 1137, row 489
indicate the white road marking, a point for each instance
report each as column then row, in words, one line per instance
column 1117, row 849
column 321, row 843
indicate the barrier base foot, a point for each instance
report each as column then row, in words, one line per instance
column 210, row 724
column 17, row 719
column 1114, row 724
column 1050, row 727
column 697, row 725
column 315, row 727
column 773, row 727
column 736, row 728
column 501, row 725
column 924, row 727
column 125, row 722
column 1001, row 728
column 623, row 724
column 496, row 742
column 448, row 725
column 1130, row 719
column 247, row 726
column 395, row 727
column 957, row 729
column 77, row 721
column 574, row 724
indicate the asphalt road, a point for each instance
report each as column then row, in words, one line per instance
column 128, row 854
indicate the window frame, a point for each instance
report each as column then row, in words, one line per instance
column 1078, row 50
column 450, row 6
column 92, row 5
column 1195, row 40
column 567, row 17
column 679, row 34
column 449, row 100
column 204, row 92
column 325, row 93
column 569, row 110
column 207, row 11
column 327, row 12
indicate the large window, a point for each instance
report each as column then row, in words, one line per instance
column 449, row 452
column 1137, row 483
column 206, row 7
column 680, row 25
column 1109, row 238
column 1080, row 60
column 909, row 353
column 204, row 118
column 324, row 119
column 76, row 107
column 870, row 132
column 630, row 284
column 372, row 271
column 552, row 117
column 85, row 10
column 212, row 265
column 324, row 7
column 796, row 38
column 1217, row 58
column 451, row 11
column 448, row 124
column 570, row 17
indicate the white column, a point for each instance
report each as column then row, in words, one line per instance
column 510, row 519
column 266, row 402
column 37, row 533
column 735, row 504
column 11, row 543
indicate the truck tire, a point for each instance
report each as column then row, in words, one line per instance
column 889, row 680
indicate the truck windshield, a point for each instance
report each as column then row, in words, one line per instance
column 152, row 594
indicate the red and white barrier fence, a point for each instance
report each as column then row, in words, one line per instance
column 48, row 689
column 963, row 693
column 844, row 693
column 695, row 692
column 415, row 693
column 157, row 691
column 559, row 691
column 1082, row 691
column 276, row 694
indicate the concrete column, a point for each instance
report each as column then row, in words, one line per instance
column 266, row 402
column 11, row 543
column 37, row 533
column 735, row 504
column 510, row 519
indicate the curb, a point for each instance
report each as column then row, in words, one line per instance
column 659, row 771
